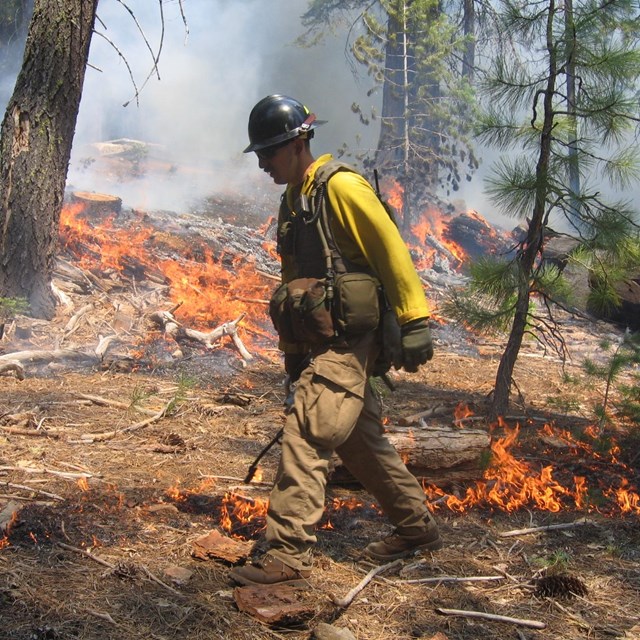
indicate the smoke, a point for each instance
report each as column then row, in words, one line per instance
column 194, row 117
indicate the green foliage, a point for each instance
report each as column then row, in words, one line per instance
column 413, row 51
column 561, row 107
column 487, row 303
column 624, row 358
column 11, row 307
column 558, row 560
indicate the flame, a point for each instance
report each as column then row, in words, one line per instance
column 461, row 412
column 83, row 484
column 243, row 510
column 209, row 290
column 627, row 500
column 510, row 484
column 395, row 196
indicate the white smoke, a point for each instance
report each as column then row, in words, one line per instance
column 196, row 114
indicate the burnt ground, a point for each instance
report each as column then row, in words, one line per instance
column 100, row 544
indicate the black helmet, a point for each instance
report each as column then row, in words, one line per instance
column 276, row 119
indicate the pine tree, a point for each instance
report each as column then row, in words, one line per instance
column 418, row 56
column 562, row 104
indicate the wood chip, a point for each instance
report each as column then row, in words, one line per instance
column 216, row 545
column 274, row 604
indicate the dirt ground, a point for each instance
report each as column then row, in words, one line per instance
column 98, row 532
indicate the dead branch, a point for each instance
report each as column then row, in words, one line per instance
column 115, row 403
column 108, row 435
column 87, row 554
column 32, row 433
column 158, row 581
column 67, row 475
column 103, row 616
column 348, row 599
column 12, row 365
column 103, row 345
column 126, row 64
column 439, row 579
column 38, row 491
column 533, row 624
column 113, row 567
column 73, row 323
column 427, row 413
column 550, row 527
column 45, row 357
column 173, row 328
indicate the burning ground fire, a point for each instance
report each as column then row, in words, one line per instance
column 508, row 485
column 208, row 290
column 209, row 294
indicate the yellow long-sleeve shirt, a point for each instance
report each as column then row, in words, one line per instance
column 366, row 235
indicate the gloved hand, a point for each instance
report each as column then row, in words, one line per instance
column 391, row 351
column 417, row 346
column 294, row 363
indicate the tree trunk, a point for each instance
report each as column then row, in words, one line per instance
column 533, row 243
column 469, row 27
column 36, row 139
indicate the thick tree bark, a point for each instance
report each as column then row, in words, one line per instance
column 36, row 139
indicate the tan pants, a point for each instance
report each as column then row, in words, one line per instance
column 335, row 410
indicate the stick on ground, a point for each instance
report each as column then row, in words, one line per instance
column 532, row 624
column 348, row 599
column 550, row 527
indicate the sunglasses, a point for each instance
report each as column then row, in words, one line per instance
column 269, row 152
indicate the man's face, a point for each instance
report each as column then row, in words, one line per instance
column 279, row 161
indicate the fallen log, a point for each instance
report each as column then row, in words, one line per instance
column 438, row 454
column 12, row 365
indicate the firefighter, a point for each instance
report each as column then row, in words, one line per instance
column 334, row 408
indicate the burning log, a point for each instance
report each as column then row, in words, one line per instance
column 439, row 454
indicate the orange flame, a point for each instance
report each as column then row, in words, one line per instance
column 510, row 484
column 207, row 291
column 461, row 412
column 243, row 510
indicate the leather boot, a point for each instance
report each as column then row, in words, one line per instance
column 269, row 570
column 400, row 544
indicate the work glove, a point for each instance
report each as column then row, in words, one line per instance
column 391, row 351
column 417, row 346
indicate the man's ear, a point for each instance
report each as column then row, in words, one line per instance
column 298, row 145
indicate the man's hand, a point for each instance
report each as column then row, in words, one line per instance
column 417, row 346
